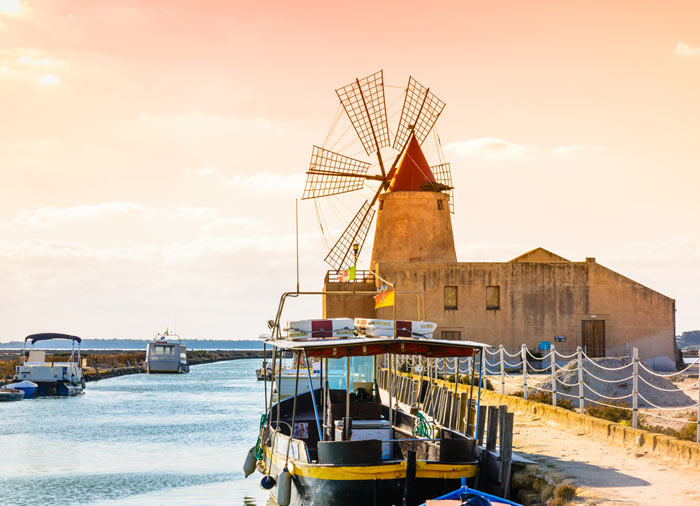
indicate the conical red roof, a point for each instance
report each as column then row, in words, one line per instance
column 413, row 170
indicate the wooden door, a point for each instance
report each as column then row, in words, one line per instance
column 593, row 337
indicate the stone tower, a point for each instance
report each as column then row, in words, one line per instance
column 413, row 220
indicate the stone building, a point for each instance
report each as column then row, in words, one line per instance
column 536, row 297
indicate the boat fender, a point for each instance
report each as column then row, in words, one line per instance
column 284, row 488
column 267, row 482
column 250, row 461
column 82, row 382
column 474, row 500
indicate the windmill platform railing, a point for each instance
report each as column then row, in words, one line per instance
column 361, row 276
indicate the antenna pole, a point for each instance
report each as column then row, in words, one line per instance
column 374, row 135
column 296, row 216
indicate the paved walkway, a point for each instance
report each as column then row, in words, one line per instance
column 605, row 474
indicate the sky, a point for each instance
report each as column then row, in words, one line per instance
column 152, row 153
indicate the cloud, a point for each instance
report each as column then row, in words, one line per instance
column 11, row 7
column 267, row 181
column 48, row 216
column 683, row 49
column 203, row 171
column 489, row 148
column 567, row 150
column 230, row 225
column 49, row 80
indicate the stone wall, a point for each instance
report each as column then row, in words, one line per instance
column 538, row 301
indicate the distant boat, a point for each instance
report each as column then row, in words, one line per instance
column 28, row 388
column 52, row 378
column 164, row 355
column 10, row 394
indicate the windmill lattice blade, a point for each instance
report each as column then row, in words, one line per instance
column 365, row 105
column 443, row 175
column 331, row 173
column 421, row 109
column 341, row 256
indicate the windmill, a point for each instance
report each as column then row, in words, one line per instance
column 332, row 173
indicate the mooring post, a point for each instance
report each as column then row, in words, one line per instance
column 553, row 351
column 481, row 419
column 635, row 386
column 523, row 354
column 503, row 371
column 409, row 490
column 492, row 429
column 506, row 452
column 579, row 362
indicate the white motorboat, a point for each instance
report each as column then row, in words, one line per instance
column 51, row 377
column 166, row 354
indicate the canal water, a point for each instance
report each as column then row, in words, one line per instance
column 137, row 440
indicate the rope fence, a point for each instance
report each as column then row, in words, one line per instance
column 622, row 393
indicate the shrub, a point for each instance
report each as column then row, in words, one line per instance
column 687, row 433
column 617, row 412
column 545, row 397
column 565, row 492
column 467, row 380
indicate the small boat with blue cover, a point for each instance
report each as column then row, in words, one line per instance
column 29, row 388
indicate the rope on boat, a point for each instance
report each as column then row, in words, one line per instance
column 258, row 445
column 422, row 428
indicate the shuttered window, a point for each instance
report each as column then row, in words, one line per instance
column 451, row 335
column 493, row 297
column 451, row 297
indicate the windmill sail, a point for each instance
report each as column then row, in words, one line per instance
column 421, row 109
column 331, row 173
column 443, row 175
column 365, row 105
column 340, row 256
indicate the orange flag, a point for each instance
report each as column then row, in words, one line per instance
column 384, row 299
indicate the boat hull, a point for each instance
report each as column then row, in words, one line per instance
column 58, row 389
column 161, row 366
column 314, row 491
column 29, row 388
column 367, row 485
column 10, row 394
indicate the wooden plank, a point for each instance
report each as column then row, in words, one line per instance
column 492, row 430
column 506, row 452
column 482, row 424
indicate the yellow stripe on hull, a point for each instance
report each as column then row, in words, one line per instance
column 388, row 471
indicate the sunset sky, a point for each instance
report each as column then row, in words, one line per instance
column 151, row 152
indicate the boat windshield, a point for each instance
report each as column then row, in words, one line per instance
column 361, row 371
column 165, row 350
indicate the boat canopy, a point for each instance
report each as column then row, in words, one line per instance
column 49, row 335
column 363, row 346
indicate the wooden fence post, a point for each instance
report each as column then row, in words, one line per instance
column 579, row 362
column 553, row 351
column 635, row 386
column 523, row 354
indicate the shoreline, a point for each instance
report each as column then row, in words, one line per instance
column 99, row 365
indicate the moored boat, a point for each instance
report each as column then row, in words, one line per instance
column 51, row 377
column 28, row 388
column 10, row 394
column 166, row 354
column 349, row 441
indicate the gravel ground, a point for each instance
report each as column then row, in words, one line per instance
column 605, row 474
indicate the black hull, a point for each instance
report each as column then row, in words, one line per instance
column 58, row 389
column 317, row 492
